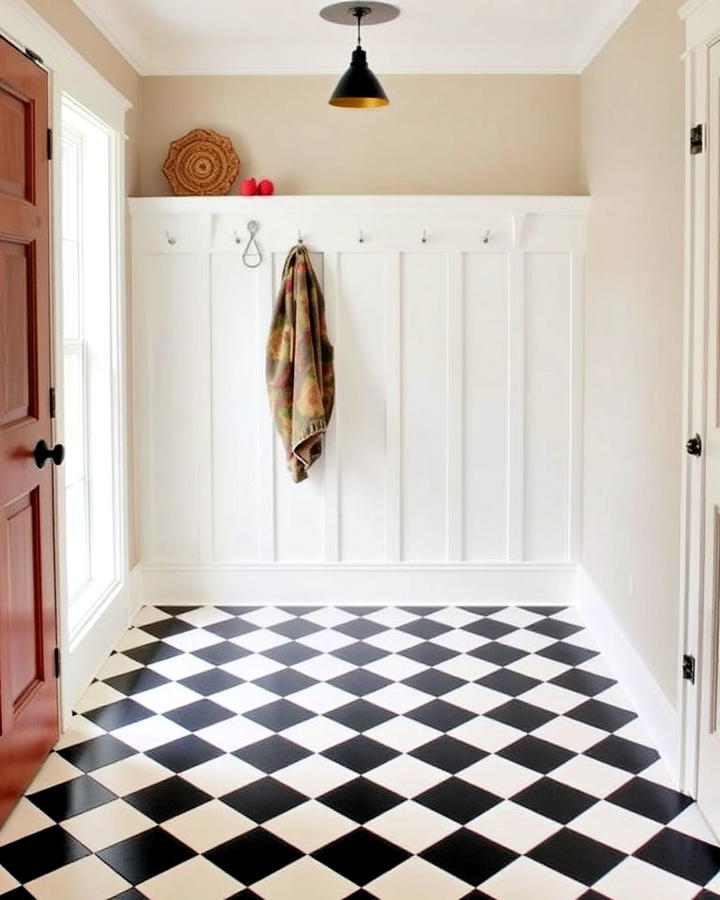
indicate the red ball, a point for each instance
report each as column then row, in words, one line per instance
column 266, row 187
column 249, row 187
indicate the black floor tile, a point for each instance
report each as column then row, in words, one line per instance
column 184, row 753
column 534, row 753
column 279, row 715
column 508, row 682
column 498, row 654
column 361, row 800
column 519, row 714
column 154, row 652
column 568, row 653
column 263, row 799
column 360, row 682
column 70, row 798
column 40, row 853
column 361, row 856
column 686, row 856
column 583, row 682
column 359, row 628
column 168, row 798
column 601, row 715
column 296, row 628
column 554, row 800
column 115, row 715
column 146, row 855
column 97, row 752
column 431, row 681
column 441, row 715
column 359, row 653
column 424, row 628
column 219, row 654
column 253, row 856
column 360, row 754
column 291, row 653
column 360, row 715
column 428, row 653
column 272, row 753
column 211, row 682
column 167, row 628
column 198, row 715
column 469, row 856
column 285, row 682
column 489, row 628
column 230, row 628
column 577, row 856
column 136, row 681
column 650, row 800
column 449, row 754
column 554, row 628
column 458, row 800
column 623, row 754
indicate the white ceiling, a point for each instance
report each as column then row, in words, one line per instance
column 173, row 37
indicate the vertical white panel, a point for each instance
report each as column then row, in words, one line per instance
column 360, row 414
column 236, row 369
column 424, row 373
column 516, row 408
column 486, row 405
column 331, row 442
column 455, row 402
column 393, row 410
column 264, row 303
column 548, row 297
column 299, row 508
column 174, row 396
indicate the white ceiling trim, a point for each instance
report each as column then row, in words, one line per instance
column 142, row 59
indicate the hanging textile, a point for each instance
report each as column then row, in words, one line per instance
column 300, row 377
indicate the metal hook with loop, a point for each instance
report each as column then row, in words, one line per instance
column 252, row 254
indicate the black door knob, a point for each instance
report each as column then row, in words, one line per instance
column 694, row 445
column 43, row 453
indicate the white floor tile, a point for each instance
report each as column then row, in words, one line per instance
column 195, row 878
column 393, row 641
column 221, row 775
column 392, row 617
column 97, row 695
column 399, row 698
column 476, row 698
column 615, row 826
column 453, row 616
column 526, row 878
column 519, row 618
column 535, row 666
column 314, row 775
column 634, row 878
column 318, row 882
column 55, row 770
column 324, row 667
column 527, row 640
column 319, row 733
column 461, row 641
column 407, row 776
column 326, row 641
column 232, row 734
column 321, row 698
column 590, row 775
column 328, row 617
column 310, row 826
column 514, row 827
column 131, row 774
column 197, row 639
column 208, row 826
column 691, row 821
column 204, row 616
column 25, row 819
column 554, row 698
column 253, row 666
column 487, row 734
column 501, row 776
column 244, row 697
column 134, row 637
column 166, row 697
column 87, row 879
column 117, row 664
column 412, row 826
column 106, row 825
column 182, row 666
column 150, row 733
column 570, row 733
column 395, row 667
column 417, row 879
column 146, row 615
column 7, row 882
column 79, row 730
column 467, row 667
column 402, row 734
column 266, row 617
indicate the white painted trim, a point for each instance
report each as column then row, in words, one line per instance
column 307, row 204
column 108, row 33
column 288, row 584
column 650, row 702
column 516, row 408
column 393, row 409
column 455, row 406
column 71, row 72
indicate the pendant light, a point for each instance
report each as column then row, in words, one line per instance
column 359, row 88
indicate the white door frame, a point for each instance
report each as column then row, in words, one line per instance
column 702, row 23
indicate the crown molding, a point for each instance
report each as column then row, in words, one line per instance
column 602, row 37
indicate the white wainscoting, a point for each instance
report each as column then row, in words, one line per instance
column 451, row 468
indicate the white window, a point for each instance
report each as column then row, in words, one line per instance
column 93, row 533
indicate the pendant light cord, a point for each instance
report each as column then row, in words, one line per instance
column 359, row 12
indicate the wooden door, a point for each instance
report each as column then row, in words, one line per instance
column 28, row 687
column 709, row 668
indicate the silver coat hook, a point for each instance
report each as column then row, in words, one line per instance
column 300, row 237
column 486, row 237
column 252, row 255
column 361, row 238
column 423, row 239
column 170, row 238
column 238, row 239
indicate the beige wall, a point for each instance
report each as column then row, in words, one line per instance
column 65, row 17
column 441, row 134
column 632, row 103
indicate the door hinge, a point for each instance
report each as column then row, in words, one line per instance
column 52, row 403
column 694, row 445
column 696, row 139
column 688, row 668
column 49, row 143
column 56, row 656
column 34, row 57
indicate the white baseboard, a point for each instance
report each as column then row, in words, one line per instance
column 649, row 700
column 288, row 584
column 90, row 649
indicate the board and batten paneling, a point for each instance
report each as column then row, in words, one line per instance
column 454, row 443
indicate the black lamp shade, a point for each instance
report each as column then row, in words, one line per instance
column 358, row 87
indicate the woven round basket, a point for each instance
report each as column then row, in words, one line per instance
column 201, row 162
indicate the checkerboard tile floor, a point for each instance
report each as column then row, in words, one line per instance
column 315, row 753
